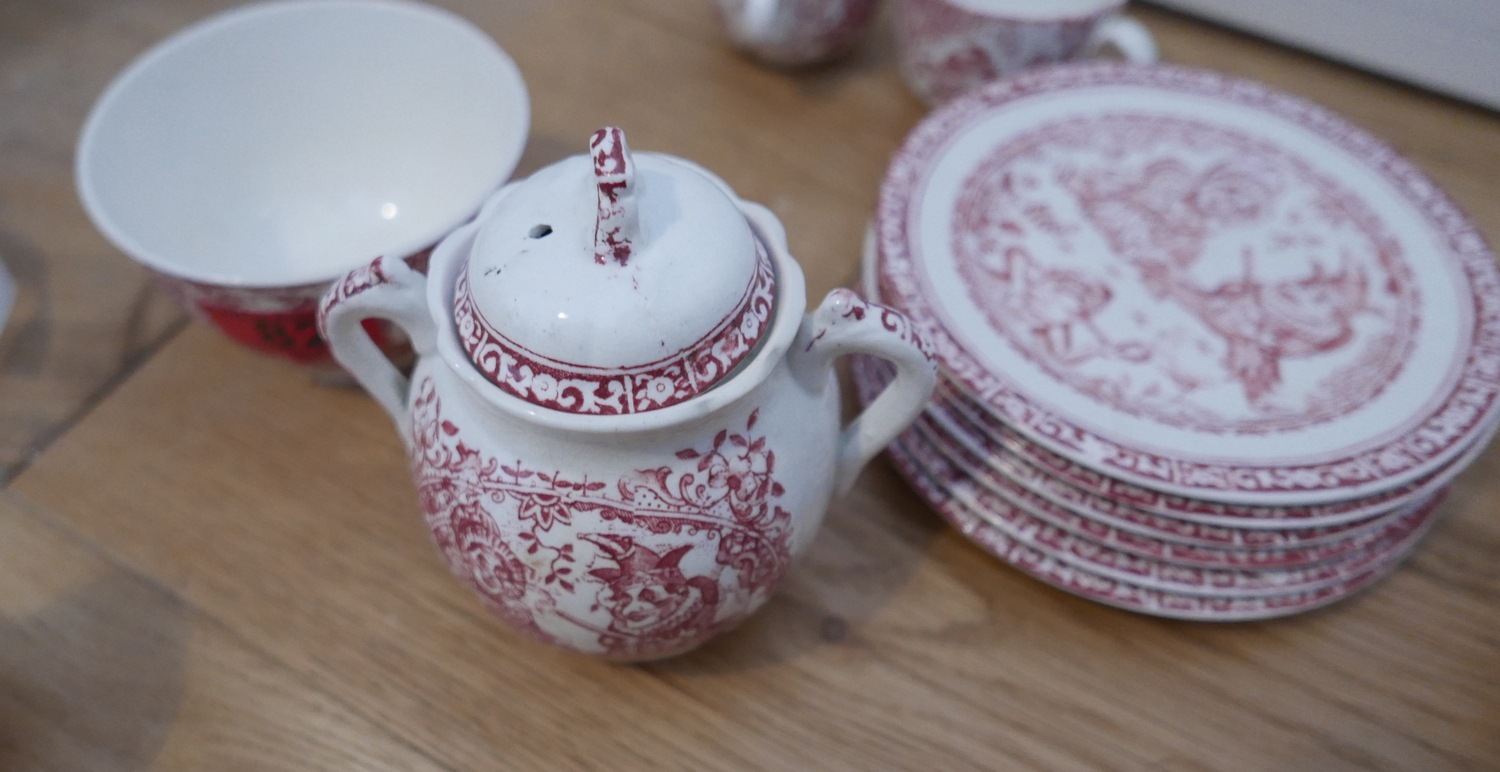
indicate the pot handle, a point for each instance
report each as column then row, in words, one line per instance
column 388, row 288
column 846, row 324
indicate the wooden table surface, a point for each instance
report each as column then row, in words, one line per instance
column 209, row 563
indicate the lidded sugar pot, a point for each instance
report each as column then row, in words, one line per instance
column 622, row 426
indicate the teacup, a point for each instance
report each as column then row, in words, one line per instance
column 946, row 47
column 795, row 32
column 257, row 155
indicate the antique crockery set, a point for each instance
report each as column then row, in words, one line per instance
column 1165, row 339
column 1208, row 351
column 627, row 490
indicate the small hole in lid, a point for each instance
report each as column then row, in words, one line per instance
column 540, row 231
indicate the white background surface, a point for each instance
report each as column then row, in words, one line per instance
column 1452, row 46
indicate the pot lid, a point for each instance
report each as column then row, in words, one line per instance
column 614, row 283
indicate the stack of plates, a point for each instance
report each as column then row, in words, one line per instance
column 1207, row 350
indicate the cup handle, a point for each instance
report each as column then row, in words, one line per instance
column 388, row 288
column 1129, row 36
column 846, row 324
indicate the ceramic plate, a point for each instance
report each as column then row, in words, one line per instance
column 1292, row 533
column 1331, row 514
column 1194, row 283
column 1173, row 517
column 1108, row 534
column 1122, row 594
column 1117, row 511
column 1087, row 554
column 1187, row 519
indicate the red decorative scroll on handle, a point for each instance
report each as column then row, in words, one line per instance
column 390, row 289
column 846, row 324
column 617, row 225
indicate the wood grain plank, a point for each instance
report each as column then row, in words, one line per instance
column 338, row 578
column 102, row 669
column 895, row 644
column 84, row 313
column 285, row 511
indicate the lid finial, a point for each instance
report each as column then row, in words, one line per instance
column 668, row 295
column 617, row 224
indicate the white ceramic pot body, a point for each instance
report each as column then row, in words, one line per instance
column 634, row 536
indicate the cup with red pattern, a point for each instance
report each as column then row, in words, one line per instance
column 795, row 32
column 947, row 47
column 253, row 157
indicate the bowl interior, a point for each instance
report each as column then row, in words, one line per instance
column 287, row 142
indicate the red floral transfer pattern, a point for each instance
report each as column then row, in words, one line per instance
column 1428, row 440
column 946, row 50
column 1174, row 518
column 645, row 566
column 1020, row 549
column 365, row 277
column 574, row 388
column 856, row 309
column 275, row 320
column 354, row 282
column 614, row 175
column 1178, row 270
